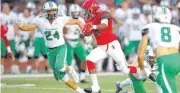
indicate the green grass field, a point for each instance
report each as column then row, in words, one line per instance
column 49, row 85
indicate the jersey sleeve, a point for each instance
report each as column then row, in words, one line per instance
column 106, row 15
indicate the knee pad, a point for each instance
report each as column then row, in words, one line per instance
column 61, row 69
column 90, row 65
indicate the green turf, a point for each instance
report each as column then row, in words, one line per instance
column 49, row 85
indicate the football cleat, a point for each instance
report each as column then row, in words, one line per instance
column 89, row 90
column 118, row 89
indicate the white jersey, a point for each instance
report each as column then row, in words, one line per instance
column 25, row 35
column 52, row 33
column 38, row 34
column 9, row 20
column 163, row 35
column 134, row 26
column 74, row 31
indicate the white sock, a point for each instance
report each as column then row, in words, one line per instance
column 15, row 69
column 70, row 69
column 124, row 83
column 94, row 79
column 82, row 75
column 79, row 90
column 28, row 68
column 2, row 69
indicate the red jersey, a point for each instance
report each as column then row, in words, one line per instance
column 103, row 36
column 4, row 30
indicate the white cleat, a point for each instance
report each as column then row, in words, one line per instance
column 74, row 74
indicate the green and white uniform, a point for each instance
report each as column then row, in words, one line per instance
column 165, row 35
column 54, row 40
column 73, row 42
column 39, row 44
column 8, row 20
column 134, row 26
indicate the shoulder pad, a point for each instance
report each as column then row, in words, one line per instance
column 105, row 15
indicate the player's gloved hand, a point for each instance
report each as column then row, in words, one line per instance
column 19, row 23
column 126, row 41
column 88, row 39
column 10, row 54
column 87, row 29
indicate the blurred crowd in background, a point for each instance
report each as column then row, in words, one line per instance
column 125, row 13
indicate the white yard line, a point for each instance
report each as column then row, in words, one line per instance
column 68, row 89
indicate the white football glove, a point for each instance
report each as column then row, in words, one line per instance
column 19, row 23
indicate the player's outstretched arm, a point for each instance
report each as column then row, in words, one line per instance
column 75, row 22
column 141, row 51
column 29, row 27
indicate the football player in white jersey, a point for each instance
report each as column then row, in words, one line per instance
column 26, row 38
column 165, row 40
column 132, row 35
column 136, row 80
column 8, row 18
column 73, row 41
column 51, row 26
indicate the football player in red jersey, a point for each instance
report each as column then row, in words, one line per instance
column 99, row 23
column 4, row 30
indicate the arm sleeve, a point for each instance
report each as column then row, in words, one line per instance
column 104, row 21
column 6, row 41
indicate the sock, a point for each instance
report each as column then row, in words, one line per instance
column 94, row 79
column 29, row 68
column 70, row 69
column 65, row 78
column 2, row 69
column 15, row 69
column 71, row 84
column 82, row 75
column 124, row 83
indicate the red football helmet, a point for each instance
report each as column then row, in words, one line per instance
column 91, row 8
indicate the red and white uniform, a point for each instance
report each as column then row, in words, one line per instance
column 107, row 42
column 4, row 30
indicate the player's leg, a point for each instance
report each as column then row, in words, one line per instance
column 128, row 49
column 57, row 58
column 114, row 50
column 138, row 85
column 37, row 48
column 94, row 56
column 70, row 53
column 3, row 55
column 81, row 54
column 14, row 67
column 121, row 85
column 167, row 72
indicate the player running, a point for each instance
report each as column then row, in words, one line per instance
column 51, row 26
column 165, row 40
column 73, row 41
column 137, row 79
column 100, row 24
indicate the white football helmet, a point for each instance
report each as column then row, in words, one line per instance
column 74, row 10
column 162, row 14
column 48, row 6
column 147, row 8
column 136, row 12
